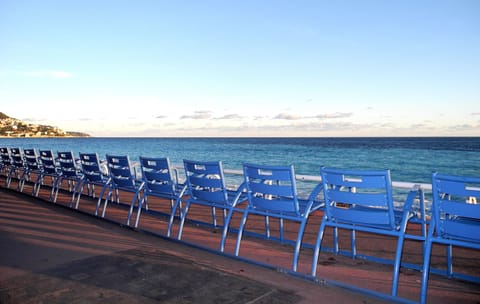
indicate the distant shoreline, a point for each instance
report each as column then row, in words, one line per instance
column 30, row 137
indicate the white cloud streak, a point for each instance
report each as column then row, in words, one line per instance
column 198, row 115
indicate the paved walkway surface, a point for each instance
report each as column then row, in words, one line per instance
column 51, row 254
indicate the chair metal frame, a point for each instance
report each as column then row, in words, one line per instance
column 49, row 168
column 161, row 180
column 6, row 164
column 361, row 200
column 122, row 178
column 92, row 176
column 68, row 171
column 455, row 221
column 32, row 165
column 272, row 192
column 17, row 168
column 206, row 186
column 5, row 160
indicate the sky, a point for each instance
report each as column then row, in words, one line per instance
column 243, row 68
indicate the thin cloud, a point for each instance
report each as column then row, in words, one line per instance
column 334, row 115
column 161, row 116
column 198, row 115
column 230, row 116
column 420, row 126
column 475, row 113
column 464, row 127
column 288, row 116
column 48, row 74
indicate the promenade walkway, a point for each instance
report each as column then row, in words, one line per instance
column 51, row 253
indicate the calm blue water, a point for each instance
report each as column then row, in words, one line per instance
column 409, row 159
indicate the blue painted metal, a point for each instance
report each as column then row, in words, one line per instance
column 206, row 187
column 70, row 172
column 455, row 221
column 361, row 200
column 122, row 177
column 272, row 192
column 160, row 181
column 92, row 176
column 32, row 165
column 48, row 168
column 17, row 168
column 6, row 164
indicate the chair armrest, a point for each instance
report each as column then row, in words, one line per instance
column 312, row 196
column 238, row 194
column 182, row 192
column 407, row 210
column 175, row 170
column 140, row 183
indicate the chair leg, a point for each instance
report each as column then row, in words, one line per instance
column 9, row 178
column 335, row 240
column 56, row 186
column 267, row 227
column 183, row 217
column 396, row 267
column 214, row 217
column 298, row 244
column 240, row 231
column 99, row 202
column 172, row 216
column 107, row 197
column 132, row 204
column 449, row 261
column 21, row 181
column 226, row 224
column 353, row 243
column 142, row 200
column 145, row 201
column 280, row 229
column 426, row 271
column 38, row 185
column 318, row 244
column 76, row 192
column 79, row 194
column 35, row 185
column 105, row 207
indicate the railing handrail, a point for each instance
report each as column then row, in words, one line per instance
column 317, row 178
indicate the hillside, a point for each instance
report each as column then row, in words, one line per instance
column 12, row 127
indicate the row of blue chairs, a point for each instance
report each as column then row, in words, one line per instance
column 355, row 200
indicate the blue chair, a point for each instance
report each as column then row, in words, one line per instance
column 160, row 181
column 32, row 165
column 206, row 187
column 272, row 192
column 68, row 171
column 17, row 168
column 48, row 169
column 122, row 178
column 6, row 162
column 360, row 200
column 92, row 176
column 455, row 220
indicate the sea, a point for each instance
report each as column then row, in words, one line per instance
column 410, row 159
